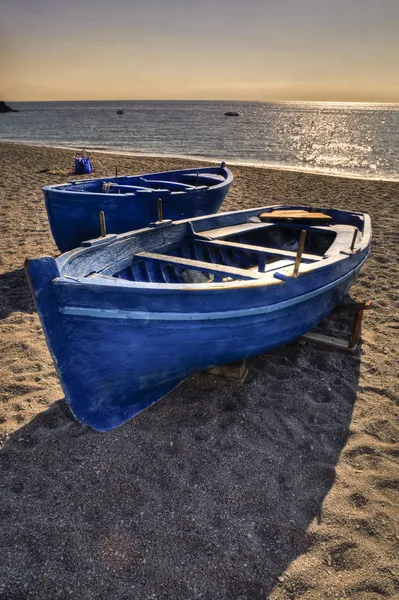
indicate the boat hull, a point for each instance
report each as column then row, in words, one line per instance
column 126, row 351
column 74, row 216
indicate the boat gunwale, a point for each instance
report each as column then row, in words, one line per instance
column 60, row 187
column 115, row 313
column 306, row 268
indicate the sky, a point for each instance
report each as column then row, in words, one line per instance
column 268, row 50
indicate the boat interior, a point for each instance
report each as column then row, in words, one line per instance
column 158, row 182
column 250, row 250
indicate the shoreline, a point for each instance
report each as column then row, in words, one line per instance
column 206, row 159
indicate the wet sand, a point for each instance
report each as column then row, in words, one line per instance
column 283, row 487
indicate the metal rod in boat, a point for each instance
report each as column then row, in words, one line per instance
column 354, row 239
column 103, row 224
column 159, row 209
column 299, row 252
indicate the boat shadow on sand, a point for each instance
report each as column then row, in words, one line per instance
column 211, row 491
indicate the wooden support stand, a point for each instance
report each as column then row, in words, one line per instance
column 358, row 309
column 236, row 371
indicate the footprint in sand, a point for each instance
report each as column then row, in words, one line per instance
column 379, row 525
column 346, row 557
column 389, row 487
column 365, row 527
column 363, row 457
column 358, row 500
column 381, row 259
column 360, row 450
column 394, row 452
column 295, row 588
column 367, row 590
column 388, row 484
column 384, row 431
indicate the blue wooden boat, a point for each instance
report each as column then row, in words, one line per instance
column 130, row 202
column 128, row 317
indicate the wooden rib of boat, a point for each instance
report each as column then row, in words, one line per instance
column 130, row 202
column 128, row 317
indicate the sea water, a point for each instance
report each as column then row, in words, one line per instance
column 330, row 137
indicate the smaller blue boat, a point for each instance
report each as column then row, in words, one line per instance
column 131, row 202
column 128, row 317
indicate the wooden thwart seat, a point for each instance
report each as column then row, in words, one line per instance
column 125, row 189
column 211, row 176
column 198, row 265
column 222, row 232
column 257, row 249
column 175, row 185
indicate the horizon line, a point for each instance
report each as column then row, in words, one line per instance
column 210, row 100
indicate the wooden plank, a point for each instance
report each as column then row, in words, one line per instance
column 262, row 250
column 237, row 371
column 328, row 341
column 222, row 232
column 296, row 215
column 197, row 265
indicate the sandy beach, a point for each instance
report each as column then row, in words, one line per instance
column 283, row 487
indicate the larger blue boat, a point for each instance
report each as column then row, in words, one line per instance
column 128, row 317
column 130, row 202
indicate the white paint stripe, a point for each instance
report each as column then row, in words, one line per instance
column 114, row 313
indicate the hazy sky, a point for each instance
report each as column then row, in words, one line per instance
column 205, row 49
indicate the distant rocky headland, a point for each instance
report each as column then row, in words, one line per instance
column 5, row 108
